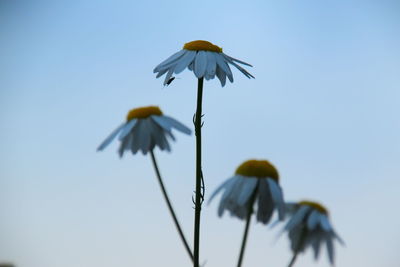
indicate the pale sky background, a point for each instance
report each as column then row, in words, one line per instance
column 324, row 108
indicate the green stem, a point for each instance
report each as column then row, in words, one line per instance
column 293, row 260
column 199, row 196
column 246, row 230
column 171, row 210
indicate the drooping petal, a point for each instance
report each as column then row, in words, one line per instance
column 237, row 60
column 168, row 123
column 277, row 197
column 242, row 70
column 125, row 145
column 247, row 190
column 316, row 245
column 291, row 207
column 169, row 60
column 161, row 73
column 338, row 238
column 227, row 195
column 145, row 137
column 111, row 137
column 331, row 250
column 295, row 236
column 211, row 64
column 156, row 133
column 224, row 66
column 219, row 188
column 325, row 224
column 127, row 129
column 221, row 76
column 184, row 61
column 313, row 220
column 297, row 217
column 265, row 205
column 136, row 137
column 200, row 64
column 168, row 76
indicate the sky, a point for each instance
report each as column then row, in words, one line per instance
column 323, row 109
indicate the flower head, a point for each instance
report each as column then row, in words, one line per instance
column 204, row 59
column 254, row 181
column 145, row 128
column 309, row 225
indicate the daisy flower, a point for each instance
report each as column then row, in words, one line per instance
column 204, row 59
column 145, row 128
column 254, row 181
column 309, row 226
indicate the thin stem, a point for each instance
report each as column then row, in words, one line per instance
column 171, row 210
column 199, row 196
column 293, row 260
column 246, row 230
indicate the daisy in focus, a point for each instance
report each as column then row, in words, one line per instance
column 309, row 226
column 145, row 128
column 254, row 181
column 204, row 59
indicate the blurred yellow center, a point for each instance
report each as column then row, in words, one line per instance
column 258, row 168
column 202, row 45
column 144, row 112
column 314, row 205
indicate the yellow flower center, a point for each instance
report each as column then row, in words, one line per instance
column 258, row 168
column 144, row 112
column 202, row 45
column 314, row 205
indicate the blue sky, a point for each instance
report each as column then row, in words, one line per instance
column 323, row 108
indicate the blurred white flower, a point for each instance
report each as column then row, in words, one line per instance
column 255, row 181
column 309, row 226
column 144, row 129
column 204, row 59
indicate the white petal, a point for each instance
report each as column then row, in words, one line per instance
column 168, row 76
column 168, row 123
column 313, row 220
column 161, row 73
column 297, row 217
column 211, row 64
column 190, row 67
column 316, row 244
column 219, row 188
column 338, row 238
column 331, row 250
column 156, row 133
column 277, row 197
column 127, row 128
column 227, row 195
column 221, row 76
column 265, row 204
column 125, row 145
column 184, row 61
column 146, row 138
column 237, row 60
column 291, row 207
column 200, row 64
column 162, row 143
column 172, row 58
column 111, row 137
column 224, row 66
column 136, row 137
column 325, row 224
column 247, row 190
